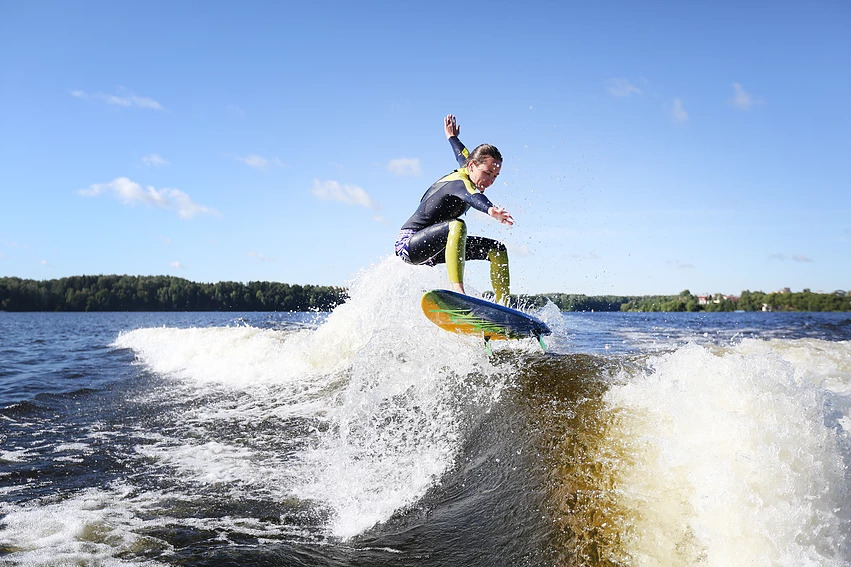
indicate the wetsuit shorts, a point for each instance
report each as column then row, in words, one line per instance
column 428, row 246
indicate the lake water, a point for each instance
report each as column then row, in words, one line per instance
column 368, row 436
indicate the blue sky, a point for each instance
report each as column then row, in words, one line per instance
column 649, row 147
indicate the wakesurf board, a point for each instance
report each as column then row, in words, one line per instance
column 459, row 313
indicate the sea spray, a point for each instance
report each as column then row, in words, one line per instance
column 714, row 457
column 397, row 424
column 384, row 396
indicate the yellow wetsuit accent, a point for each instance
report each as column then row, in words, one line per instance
column 456, row 250
column 500, row 279
column 460, row 174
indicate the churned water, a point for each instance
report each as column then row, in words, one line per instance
column 368, row 436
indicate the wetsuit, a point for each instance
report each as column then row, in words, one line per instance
column 435, row 234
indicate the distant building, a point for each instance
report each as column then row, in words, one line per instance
column 707, row 299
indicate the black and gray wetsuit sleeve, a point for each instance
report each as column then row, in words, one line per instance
column 461, row 153
column 476, row 200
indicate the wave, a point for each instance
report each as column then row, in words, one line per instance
column 712, row 456
column 705, row 453
column 371, row 433
column 384, row 397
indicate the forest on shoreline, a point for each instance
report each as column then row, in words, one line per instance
column 162, row 293
column 169, row 293
column 685, row 301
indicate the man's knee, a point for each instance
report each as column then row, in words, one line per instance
column 459, row 226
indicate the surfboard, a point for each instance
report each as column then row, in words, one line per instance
column 459, row 313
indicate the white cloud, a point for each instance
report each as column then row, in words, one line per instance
column 177, row 265
column 742, row 99
column 254, row 161
column 348, row 194
column 124, row 98
column 130, row 193
column 801, row 258
column 404, row 166
column 678, row 112
column 622, row 88
column 259, row 162
column 155, row 160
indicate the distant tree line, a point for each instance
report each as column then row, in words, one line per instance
column 162, row 293
column 685, row 301
column 168, row 293
column 575, row 302
column 795, row 301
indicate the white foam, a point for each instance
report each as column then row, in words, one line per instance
column 17, row 456
column 98, row 525
column 396, row 425
column 87, row 529
column 389, row 387
column 206, row 463
column 826, row 364
column 727, row 460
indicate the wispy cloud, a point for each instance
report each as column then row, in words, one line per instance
column 155, row 160
column 260, row 257
column 620, row 87
column 404, row 166
column 679, row 265
column 519, row 250
column 780, row 257
column 10, row 244
column 123, row 98
column 130, row 193
column 177, row 265
column 742, row 99
column 259, row 162
column 588, row 256
column 678, row 112
column 348, row 194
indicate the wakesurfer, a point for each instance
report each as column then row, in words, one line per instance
column 435, row 234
